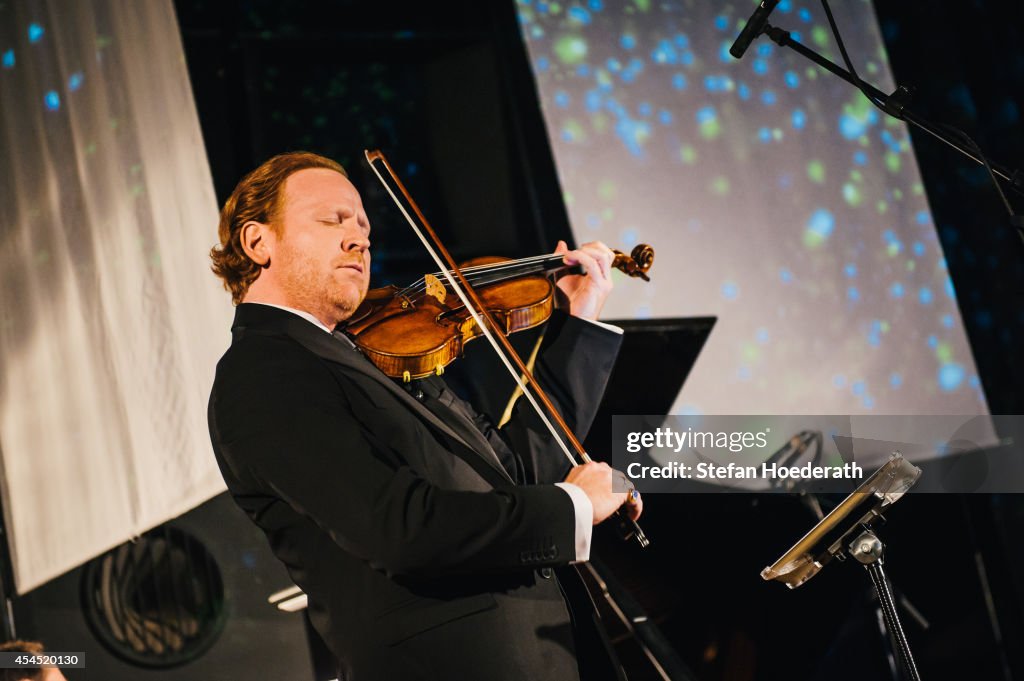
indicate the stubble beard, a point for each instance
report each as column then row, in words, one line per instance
column 321, row 294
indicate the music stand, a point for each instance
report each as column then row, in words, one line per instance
column 634, row 387
column 830, row 538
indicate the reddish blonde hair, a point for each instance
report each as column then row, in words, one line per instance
column 32, row 672
column 257, row 198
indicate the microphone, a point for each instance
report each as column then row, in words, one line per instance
column 753, row 28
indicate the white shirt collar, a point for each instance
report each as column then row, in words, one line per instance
column 302, row 313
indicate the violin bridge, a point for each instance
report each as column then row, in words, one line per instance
column 435, row 288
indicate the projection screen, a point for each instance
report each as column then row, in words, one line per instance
column 776, row 196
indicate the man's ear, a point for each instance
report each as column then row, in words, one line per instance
column 257, row 239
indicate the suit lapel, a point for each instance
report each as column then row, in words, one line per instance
column 439, row 400
column 326, row 346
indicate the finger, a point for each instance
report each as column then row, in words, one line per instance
column 602, row 271
column 561, row 247
column 600, row 252
column 635, row 509
column 589, row 263
column 634, row 503
column 603, row 257
column 607, row 258
column 621, row 482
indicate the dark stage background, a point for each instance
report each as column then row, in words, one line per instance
column 447, row 91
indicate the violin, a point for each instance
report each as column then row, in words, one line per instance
column 418, row 330
column 488, row 324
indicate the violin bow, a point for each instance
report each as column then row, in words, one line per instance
column 628, row 528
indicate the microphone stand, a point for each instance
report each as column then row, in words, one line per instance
column 896, row 105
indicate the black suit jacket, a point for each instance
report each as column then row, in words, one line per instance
column 418, row 538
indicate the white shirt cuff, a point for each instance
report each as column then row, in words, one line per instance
column 584, row 519
column 610, row 327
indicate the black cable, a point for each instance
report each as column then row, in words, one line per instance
column 966, row 139
column 846, row 59
column 1017, row 221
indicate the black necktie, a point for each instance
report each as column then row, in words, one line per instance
column 343, row 337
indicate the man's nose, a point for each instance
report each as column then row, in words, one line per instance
column 356, row 242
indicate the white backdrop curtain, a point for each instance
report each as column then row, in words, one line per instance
column 110, row 320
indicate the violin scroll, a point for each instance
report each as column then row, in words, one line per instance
column 637, row 263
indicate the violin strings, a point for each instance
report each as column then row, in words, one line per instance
column 496, row 267
column 482, row 272
column 489, row 274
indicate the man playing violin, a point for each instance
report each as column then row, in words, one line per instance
column 423, row 536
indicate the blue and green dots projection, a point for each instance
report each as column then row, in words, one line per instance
column 55, row 93
column 653, row 82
